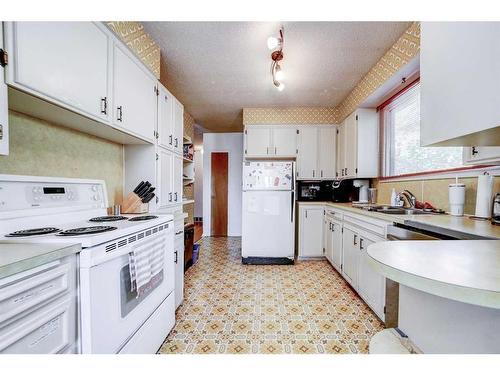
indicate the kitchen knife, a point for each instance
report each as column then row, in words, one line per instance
column 147, row 198
column 144, row 189
column 138, row 187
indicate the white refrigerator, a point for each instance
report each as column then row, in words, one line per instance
column 268, row 222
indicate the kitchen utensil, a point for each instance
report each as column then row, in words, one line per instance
column 372, row 195
column 495, row 219
column 138, row 187
column 456, row 196
column 147, row 198
column 144, row 189
column 484, row 196
column 117, row 210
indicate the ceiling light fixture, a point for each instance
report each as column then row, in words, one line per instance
column 276, row 44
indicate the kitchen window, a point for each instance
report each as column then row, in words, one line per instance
column 401, row 128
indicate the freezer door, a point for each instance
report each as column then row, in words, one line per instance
column 268, row 175
column 268, row 224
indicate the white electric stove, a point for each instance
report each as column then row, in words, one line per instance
column 114, row 319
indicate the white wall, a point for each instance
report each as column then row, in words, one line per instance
column 232, row 143
column 198, row 186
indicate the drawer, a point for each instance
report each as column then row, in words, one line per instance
column 34, row 288
column 50, row 330
column 375, row 226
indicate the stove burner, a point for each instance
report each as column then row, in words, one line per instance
column 86, row 230
column 33, row 232
column 107, row 218
column 142, row 218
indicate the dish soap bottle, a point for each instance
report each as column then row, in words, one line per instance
column 393, row 197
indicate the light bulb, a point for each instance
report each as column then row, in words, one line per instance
column 280, row 86
column 272, row 42
column 279, row 75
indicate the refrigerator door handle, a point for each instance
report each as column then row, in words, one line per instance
column 292, row 195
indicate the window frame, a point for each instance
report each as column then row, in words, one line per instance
column 386, row 138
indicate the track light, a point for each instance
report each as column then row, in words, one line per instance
column 272, row 42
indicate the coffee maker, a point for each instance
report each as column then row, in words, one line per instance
column 495, row 217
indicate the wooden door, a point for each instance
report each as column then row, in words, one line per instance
column 219, row 168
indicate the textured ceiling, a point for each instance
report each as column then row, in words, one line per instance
column 217, row 68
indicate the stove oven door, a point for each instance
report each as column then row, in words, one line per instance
column 111, row 313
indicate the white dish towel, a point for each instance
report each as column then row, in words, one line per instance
column 144, row 264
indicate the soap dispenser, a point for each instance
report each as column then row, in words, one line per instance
column 393, row 197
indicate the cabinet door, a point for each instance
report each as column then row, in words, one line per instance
column 371, row 284
column 350, row 241
column 284, row 142
column 257, row 142
column 4, row 111
column 177, row 177
column 327, row 239
column 165, row 178
column 311, row 232
column 134, row 96
column 307, row 158
column 459, row 61
column 65, row 62
column 337, row 246
column 327, row 152
column 351, row 145
column 165, row 118
column 178, row 126
column 341, row 151
column 482, row 155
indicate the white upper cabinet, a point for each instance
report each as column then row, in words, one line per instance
column 177, row 179
column 178, row 127
column 284, row 142
column 257, row 141
column 165, row 118
column 266, row 141
column 358, row 145
column 481, row 155
column 307, row 158
column 63, row 62
column 164, row 180
column 134, row 95
column 459, row 75
column 4, row 112
column 327, row 152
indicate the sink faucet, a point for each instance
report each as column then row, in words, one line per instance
column 409, row 200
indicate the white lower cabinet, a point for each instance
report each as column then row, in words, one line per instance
column 179, row 260
column 336, row 251
column 371, row 284
column 4, row 112
column 311, row 231
column 350, row 244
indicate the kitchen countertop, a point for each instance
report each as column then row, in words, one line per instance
column 17, row 257
column 465, row 271
column 460, row 227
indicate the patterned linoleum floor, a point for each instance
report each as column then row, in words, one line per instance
column 234, row 308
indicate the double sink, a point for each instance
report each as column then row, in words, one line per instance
column 400, row 210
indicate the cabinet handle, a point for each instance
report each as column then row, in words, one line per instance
column 346, row 171
column 104, row 105
column 275, row 150
column 175, row 194
column 313, row 172
column 176, row 256
column 267, row 150
column 342, row 171
column 306, row 214
column 474, row 151
column 170, row 139
column 321, row 173
column 176, row 142
column 333, row 228
column 361, row 244
column 354, row 239
column 170, row 197
column 120, row 114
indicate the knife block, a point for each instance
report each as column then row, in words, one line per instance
column 132, row 204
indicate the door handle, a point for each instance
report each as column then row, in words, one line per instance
column 104, row 105
column 120, row 114
column 354, row 239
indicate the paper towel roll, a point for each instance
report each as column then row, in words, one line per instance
column 484, row 196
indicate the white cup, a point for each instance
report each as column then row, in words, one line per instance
column 456, row 195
